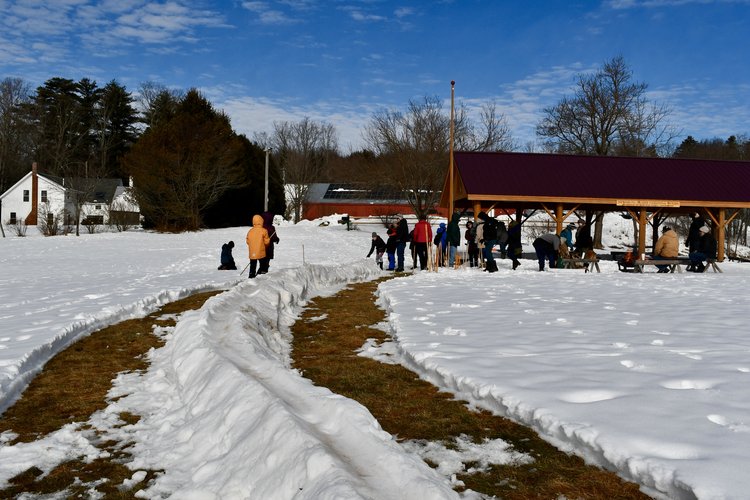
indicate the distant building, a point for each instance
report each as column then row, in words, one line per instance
column 356, row 200
column 36, row 196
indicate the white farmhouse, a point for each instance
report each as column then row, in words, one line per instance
column 41, row 199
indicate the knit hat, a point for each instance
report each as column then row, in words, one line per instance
column 571, row 225
column 374, row 234
column 665, row 229
column 704, row 229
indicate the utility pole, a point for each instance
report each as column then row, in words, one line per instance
column 450, row 171
column 265, row 191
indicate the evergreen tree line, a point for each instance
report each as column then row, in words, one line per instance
column 190, row 169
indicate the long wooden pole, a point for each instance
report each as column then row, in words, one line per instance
column 450, row 167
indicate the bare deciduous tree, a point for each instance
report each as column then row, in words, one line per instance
column 302, row 150
column 607, row 114
column 414, row 146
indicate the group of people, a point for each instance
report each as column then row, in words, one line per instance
column 480, row 238
column 550, row 247
column 701, row 245
column 395, row 247
column 260, row 240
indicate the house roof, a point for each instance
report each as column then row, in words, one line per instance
column 511, row 179
column 342, row 193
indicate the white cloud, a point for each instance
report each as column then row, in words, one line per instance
column 647, row 4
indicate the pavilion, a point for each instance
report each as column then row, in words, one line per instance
column 561, row 185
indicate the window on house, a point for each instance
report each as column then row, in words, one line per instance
column 12, row 218
column 25, row 195
column 98, row 207
column 44, row 196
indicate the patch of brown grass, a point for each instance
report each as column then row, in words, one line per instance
column 410, row 408
column 74, row 385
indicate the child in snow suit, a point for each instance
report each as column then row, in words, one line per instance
column 378, row 246
column 227, row 261
column 257, row 240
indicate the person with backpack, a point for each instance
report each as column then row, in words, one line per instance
column 472, row 249
column 378, row 246
column 489, row 234
column 453, row 236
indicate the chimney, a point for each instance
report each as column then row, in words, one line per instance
column 31, row 220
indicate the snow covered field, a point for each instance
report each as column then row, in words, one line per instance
column 646, row 374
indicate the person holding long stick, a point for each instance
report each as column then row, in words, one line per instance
column 422, row 240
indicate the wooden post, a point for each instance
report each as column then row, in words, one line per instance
column 642, row 233
column 722, row 234
column 559, row 218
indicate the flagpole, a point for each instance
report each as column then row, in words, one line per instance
column 450, row 174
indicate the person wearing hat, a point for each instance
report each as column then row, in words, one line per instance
column 667, row 247
column 226, row 259
column 694, row 234
column 378, row 246
column 567, row 233
column 705, row 250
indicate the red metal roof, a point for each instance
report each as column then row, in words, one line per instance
column 574, row 176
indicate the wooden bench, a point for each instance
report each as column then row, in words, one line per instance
column 672, row 264
column 713, row 266
column 588, row 264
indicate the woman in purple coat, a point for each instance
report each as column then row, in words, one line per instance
column 265, row 262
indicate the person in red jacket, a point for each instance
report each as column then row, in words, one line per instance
column 422, row 237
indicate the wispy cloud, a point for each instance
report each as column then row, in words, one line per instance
column 48, row 29
column 647, row 4
column 269, row 14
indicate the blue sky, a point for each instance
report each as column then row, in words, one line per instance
column 342, row 60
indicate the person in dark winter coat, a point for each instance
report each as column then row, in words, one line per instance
column 227, row 261
column 515, row 249
column 694, row 233
column 453, row 234
column 471, row 245
column 584, row 242
column 547, row 247
column 402, row 237
column 489, row 234
column 390, row 247
column 271, row 229
column 378, row 246
column 502, row 239
column 704, row 250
